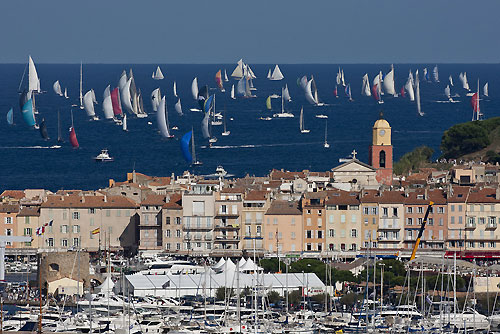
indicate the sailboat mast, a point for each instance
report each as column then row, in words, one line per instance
column 282, row 101
column 477, row 101
column 22, row 78
column 193, row 152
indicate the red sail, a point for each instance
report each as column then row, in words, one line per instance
column 474, row 101
column 72, row 138
column 115, row 101
column 218, row 79
column 375, row 92
column 335, row 92
column 402, row 92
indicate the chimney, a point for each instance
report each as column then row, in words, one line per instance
column 82, row 199
column 105, row 199
column 426, row 196
column 134, row 177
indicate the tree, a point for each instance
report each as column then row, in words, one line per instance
column 294, row 297
column 222, row 292
column 413, row 160
column 273, row 297
column 465, row 138
column 271, row 265
column 350, row 299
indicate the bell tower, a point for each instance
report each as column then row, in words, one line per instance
column 380, row 152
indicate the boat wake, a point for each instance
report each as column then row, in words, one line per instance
column 448, row 101
column 29, row 147
column 259, row 145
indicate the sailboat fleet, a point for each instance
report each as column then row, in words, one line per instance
column 126, row 99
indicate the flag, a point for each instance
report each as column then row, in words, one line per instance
column 50, row 222
column 38, row 231
column 96, row 231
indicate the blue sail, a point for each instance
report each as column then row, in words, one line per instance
column 208, row 104
column 28, row 115
column 10, row 116
column 186, row 153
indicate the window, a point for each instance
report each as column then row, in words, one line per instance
column 409, row 221
column 270, row 236
column 309, row 247
column 320, row 222
column 167, row 246
column 64, row 229
column 167, row 221
column 319, row 212
column 76, row 242
column 374, row 211
column 64, row 242
column 308, row 221
column 293, row 221
column 353, row 247
column 177, row 233
column 431, row 221
column 452, row 208
column 76, row 215
column 492, row 220
column 199, row 208
column 275, row 221
column 470, row 244
column 308, row 211
column 209, row 222
column 28, row 232
column 452, row 220
column 342, row 247
column 320, row 247
column 460, row 219
column 76, row 228
column 293, row 235
column 331, row 233
column 409, row 209
column 209, row 245
column 440, row 209
column 65, row 215
column 385, row 212
column 259, row 230
column 178, row 220
column 342, row 233
column 365, row 211
column 178, row 246
column 482, row 220
column 167, row 233
column 309, row 234
column 320, row 234
column 354, row 233
column 353, row 219
column 382, row 159
column 395, row 212
column 420, row 220
column 8, row 220
column 492, row 244
column 91, row 211
column 50, row 242
column 342, row 218
column 440, row 221
column 460, row 208
column 420, row 209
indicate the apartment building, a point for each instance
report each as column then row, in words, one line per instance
column 198, row 214
column 343, row 221
column 369, row 218
column 456, row 198
column 283, row 226
column 172, row 224
column 313, row 217
column 28, row 220
column 228, row 206
column 150, row 227
column 75, row 216
column 391, row 219
column 483, row 211
column 255, row 205
column 8, row 220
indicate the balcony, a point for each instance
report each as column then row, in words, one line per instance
column 226, row 214
column 197, row 227
column 221, row 227
column 470, row 225
column 491, row 226
column 208, row 237
column 222, row 238
column 390, row 227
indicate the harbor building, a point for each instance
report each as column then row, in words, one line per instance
column 255, row 205
column 283, row 230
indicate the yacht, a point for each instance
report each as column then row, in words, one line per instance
column 104, row 157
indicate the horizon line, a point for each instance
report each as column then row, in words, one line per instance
column 259, row 63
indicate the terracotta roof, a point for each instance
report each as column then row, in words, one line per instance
column 485, row 195
column 232, row 191
column 9, row 208
column 285, row 175
column 387, row 197
column 368, row 196
column 160, row 181
column 436, row 195
column 29, row 211
column 460, row 194
column 154, row 199
column 316, row 195
column 175, row 202
column 340, row 197
column 284, row 208
column 256, row 195
column 17, row 194
column 75, row 201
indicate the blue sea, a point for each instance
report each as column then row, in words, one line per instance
column 254, row 146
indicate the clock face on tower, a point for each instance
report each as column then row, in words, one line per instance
column 381, row 133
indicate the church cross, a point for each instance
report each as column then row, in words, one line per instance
column 354, row 154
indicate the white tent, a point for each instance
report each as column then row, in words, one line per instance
column 250, row 266
column 219, row 265
column 106, row 287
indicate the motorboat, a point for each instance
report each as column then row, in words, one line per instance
column 104, row 157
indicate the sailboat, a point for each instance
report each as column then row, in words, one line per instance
column 218, row 81
column 125, row 97
column 283, row 114
column 277, row 75
column 339, row 77
column 269, row 74
column 174, row 89
column 205, row 123
column 365, row 87
column 426, row 74
column 10, row 116
column 301, row 122
column 450, row 78
column 336, row 92
column 155, row 99
column 43, row 130
column 59, row 134
column 447, row 93
column 28, row 113
column 72, row 134
column 326, row 145
column 485, row 90
column 214, row 114
column 158, row 75
column 124, row 123
column 465, row 83
column 476, row 110
column 178, row 107
column 195, row 92
column 409, row 87
column 268, row 103
column 232, row 93
column 435, row 74
column 107, row 105
column 88, row 104
column 115, row 102
column 162, row 119
column 225, row 133
column 188, row 153
column 348, row 92
column 311, row 93
column 66, row 93
column 417, row 94
column 57, row 88
column 225, row 76
column 238, row 70
column 286, row 94
column 389, row 82
column 81, row 86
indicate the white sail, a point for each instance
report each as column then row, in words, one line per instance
column 365, row 89
column 33, row 80
column 241, row 87
column 123, row 80
column 269, row 74
column 286, row 94
column 309, row 94
column 225, row 76
column 155, row 99
column 124, row 123
column 485, row 89
column 342, row 77
column 125, row 97
column 377, row 80
column 161, row 118
column 158, row 75
column 389, row 82
column 339, row 77
column 277, row 75
column 435, row 74
column 417, row 94
column 250, row 73
column 66, row 93
column 57, row 88
column 447, row 91
column 175, row 89
column 88, row 103
column 178, row 107
column 81, row 85
column 93, row 96
column 232, row 93
column 194, row 88
column 204, row 125
column 238, row 71
column 451, row 80
column 303, row 82
column 463, row 79
column 409, row 87
column 107, row 106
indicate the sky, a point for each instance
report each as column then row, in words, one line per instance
column 260, row 31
